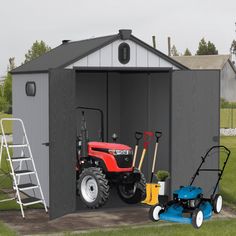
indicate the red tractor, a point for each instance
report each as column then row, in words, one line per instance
column 102, row 165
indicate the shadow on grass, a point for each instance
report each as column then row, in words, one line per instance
column 228, row 199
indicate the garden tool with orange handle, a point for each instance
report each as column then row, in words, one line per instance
column 152, row 189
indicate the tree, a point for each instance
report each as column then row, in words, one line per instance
column 211, row 48
column 187, row 52
column 174, row 51
column 7, row 89
column 202, row 47
column 205, row 48
column 36, row 50
column 6, row 93
column 233, row 47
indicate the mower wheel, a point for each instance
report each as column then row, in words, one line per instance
column 217, row 203
column 133, row 193
column 93, row 187
column 197, row 218
column 155, row 211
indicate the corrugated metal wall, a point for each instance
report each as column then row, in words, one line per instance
column 108, row 57
column 194, row 126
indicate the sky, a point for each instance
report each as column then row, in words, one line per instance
column 22, row 22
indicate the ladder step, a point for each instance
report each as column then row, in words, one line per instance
column 30, row 201
column 15, row 145
column 26, row 186
column 16, row 173
column 19, row 158
column 23, row 172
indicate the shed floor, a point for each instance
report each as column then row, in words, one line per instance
column 37, row 222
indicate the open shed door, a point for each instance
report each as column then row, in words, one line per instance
column 195, row 117
column 62, row 146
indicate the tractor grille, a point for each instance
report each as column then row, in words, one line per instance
column 124, row 161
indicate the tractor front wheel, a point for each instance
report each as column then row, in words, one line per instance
column 93, row 187
column 133, row 193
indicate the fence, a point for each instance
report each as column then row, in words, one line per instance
column 228, row 117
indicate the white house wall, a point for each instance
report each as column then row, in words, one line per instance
column 108, row 57
column 34, row 112
column 228, row 83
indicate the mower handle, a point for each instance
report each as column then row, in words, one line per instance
column 148, row 136
column 217, row 146
column 158, row 135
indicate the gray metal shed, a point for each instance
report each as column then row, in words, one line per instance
column 149, row 92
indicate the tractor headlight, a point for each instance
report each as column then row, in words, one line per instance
column 121, row 152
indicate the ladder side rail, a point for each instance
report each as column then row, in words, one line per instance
column 11, row 165
column 1, row 149
column 33, row 163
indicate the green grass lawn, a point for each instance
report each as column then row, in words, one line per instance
column 5, row 231
column 8, row 125
column 228, row 118
column 213, row 227
column 228, row 183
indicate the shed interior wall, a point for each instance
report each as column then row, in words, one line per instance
column 131, row 102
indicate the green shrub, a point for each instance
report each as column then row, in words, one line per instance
column 4, row 105
column 162, row 175
column 226, row 104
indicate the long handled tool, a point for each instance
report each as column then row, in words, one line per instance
column 158, row 136
column 147, row 139
column 152, row 189
column 138, row 136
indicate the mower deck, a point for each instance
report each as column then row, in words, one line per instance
column 176, row 213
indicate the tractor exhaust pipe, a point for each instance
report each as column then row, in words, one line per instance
column 84, row 137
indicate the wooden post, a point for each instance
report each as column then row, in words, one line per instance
column 154, row 41
column 169, row 47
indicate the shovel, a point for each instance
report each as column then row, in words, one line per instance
column 138, row 136
column 152, row 189
column 147, row 138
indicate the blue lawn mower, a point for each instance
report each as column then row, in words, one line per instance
column 188, row 205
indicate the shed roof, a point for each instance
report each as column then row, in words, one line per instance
column 72, row 51
column 216, row 62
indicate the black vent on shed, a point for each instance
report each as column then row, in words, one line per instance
column 125, row 33
column 124, row 53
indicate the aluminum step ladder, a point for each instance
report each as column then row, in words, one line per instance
column 17, row 173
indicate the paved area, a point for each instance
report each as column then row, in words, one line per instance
column 37, row 222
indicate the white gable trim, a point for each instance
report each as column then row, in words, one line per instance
column 108, row 57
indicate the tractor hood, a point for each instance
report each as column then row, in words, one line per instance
column 188, row 192
column 109, row 146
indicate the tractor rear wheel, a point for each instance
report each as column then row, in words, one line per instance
column 133, row 193
column 93, row 187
